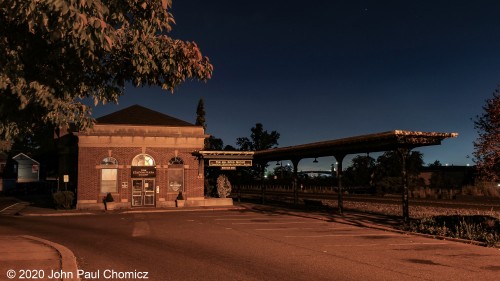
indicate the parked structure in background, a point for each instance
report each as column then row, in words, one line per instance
column 450, row 177
column 26, row 168
column 19, row 172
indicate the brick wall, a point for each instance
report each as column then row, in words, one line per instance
column 89, row 171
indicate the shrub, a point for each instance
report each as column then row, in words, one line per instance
column 223, row 186
column 209, row 189
column 482, row 189
column 63, row 199
column 478, row 228
column 108, row 198
column 180, row 196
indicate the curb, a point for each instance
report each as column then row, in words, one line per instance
column 14, row 208
column 56, row 214
column 68, row 259
column 128, row 211
column 182, row 210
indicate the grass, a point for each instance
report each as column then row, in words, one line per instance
column 478, row 228
column 470, row 224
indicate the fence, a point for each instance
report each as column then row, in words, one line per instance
column 284, row 193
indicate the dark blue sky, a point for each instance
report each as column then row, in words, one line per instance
column 320, row 70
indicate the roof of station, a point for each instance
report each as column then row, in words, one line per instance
column 141, row 116
column 378, row 142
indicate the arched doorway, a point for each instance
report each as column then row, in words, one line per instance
column 143, row 180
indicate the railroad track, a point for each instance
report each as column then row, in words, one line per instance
column 476, row 203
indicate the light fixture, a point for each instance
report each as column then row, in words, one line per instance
column 315, row 160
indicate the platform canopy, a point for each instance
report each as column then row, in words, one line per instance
column 402, row 141
column 378, row 142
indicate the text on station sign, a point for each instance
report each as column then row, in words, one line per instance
column 232, row 163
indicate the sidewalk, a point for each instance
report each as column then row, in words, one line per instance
column 30, row 257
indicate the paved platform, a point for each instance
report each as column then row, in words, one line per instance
column 31, row 255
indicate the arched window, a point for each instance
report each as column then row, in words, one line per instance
column 108, row 161
column 109, row 175
column 176, row 161
column 176, row 175
column 143, row 160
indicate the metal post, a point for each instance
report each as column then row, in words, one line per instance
column 263, row 186
column 404, row 152
column 263, row 192
column 339, row 158
column 295, row 183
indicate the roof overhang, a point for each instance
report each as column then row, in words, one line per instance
column 221, row 154
column 378, row 142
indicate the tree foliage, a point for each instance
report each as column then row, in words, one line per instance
column 213, row 143
column 360, row 172
column 54, row 53
column 200, row 115
column 387, row 175
column 487, row 145
column 282, row 171
column 260, row 139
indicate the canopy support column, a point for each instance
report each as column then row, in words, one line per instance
column 404, row 153
column 262, row 167
column 339, row 158
column 295, row 181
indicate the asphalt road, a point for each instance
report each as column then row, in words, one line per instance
column 252, row 245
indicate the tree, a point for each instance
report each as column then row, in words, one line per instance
column 282, row 171
column 260, row 139
column 213, row 143
column 55, row 53
column 200, row 115
column 360, row 172
column 387, row 174
column 229, row 147
column 435, row 164
column 487, row 145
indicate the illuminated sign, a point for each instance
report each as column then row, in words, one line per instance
column 230, row 168
column 143, row 171
column 230, row 163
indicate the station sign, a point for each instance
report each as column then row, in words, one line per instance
column 228, row 168
column 143, row 171
column 229, row 163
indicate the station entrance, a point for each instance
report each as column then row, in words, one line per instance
column 143, row 192
column 143, row 181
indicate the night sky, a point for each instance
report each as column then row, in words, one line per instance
column 322, row 70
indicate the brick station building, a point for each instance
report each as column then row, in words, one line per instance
column 142, row 157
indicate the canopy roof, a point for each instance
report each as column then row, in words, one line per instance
column 223, row 154
column 378, row 142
